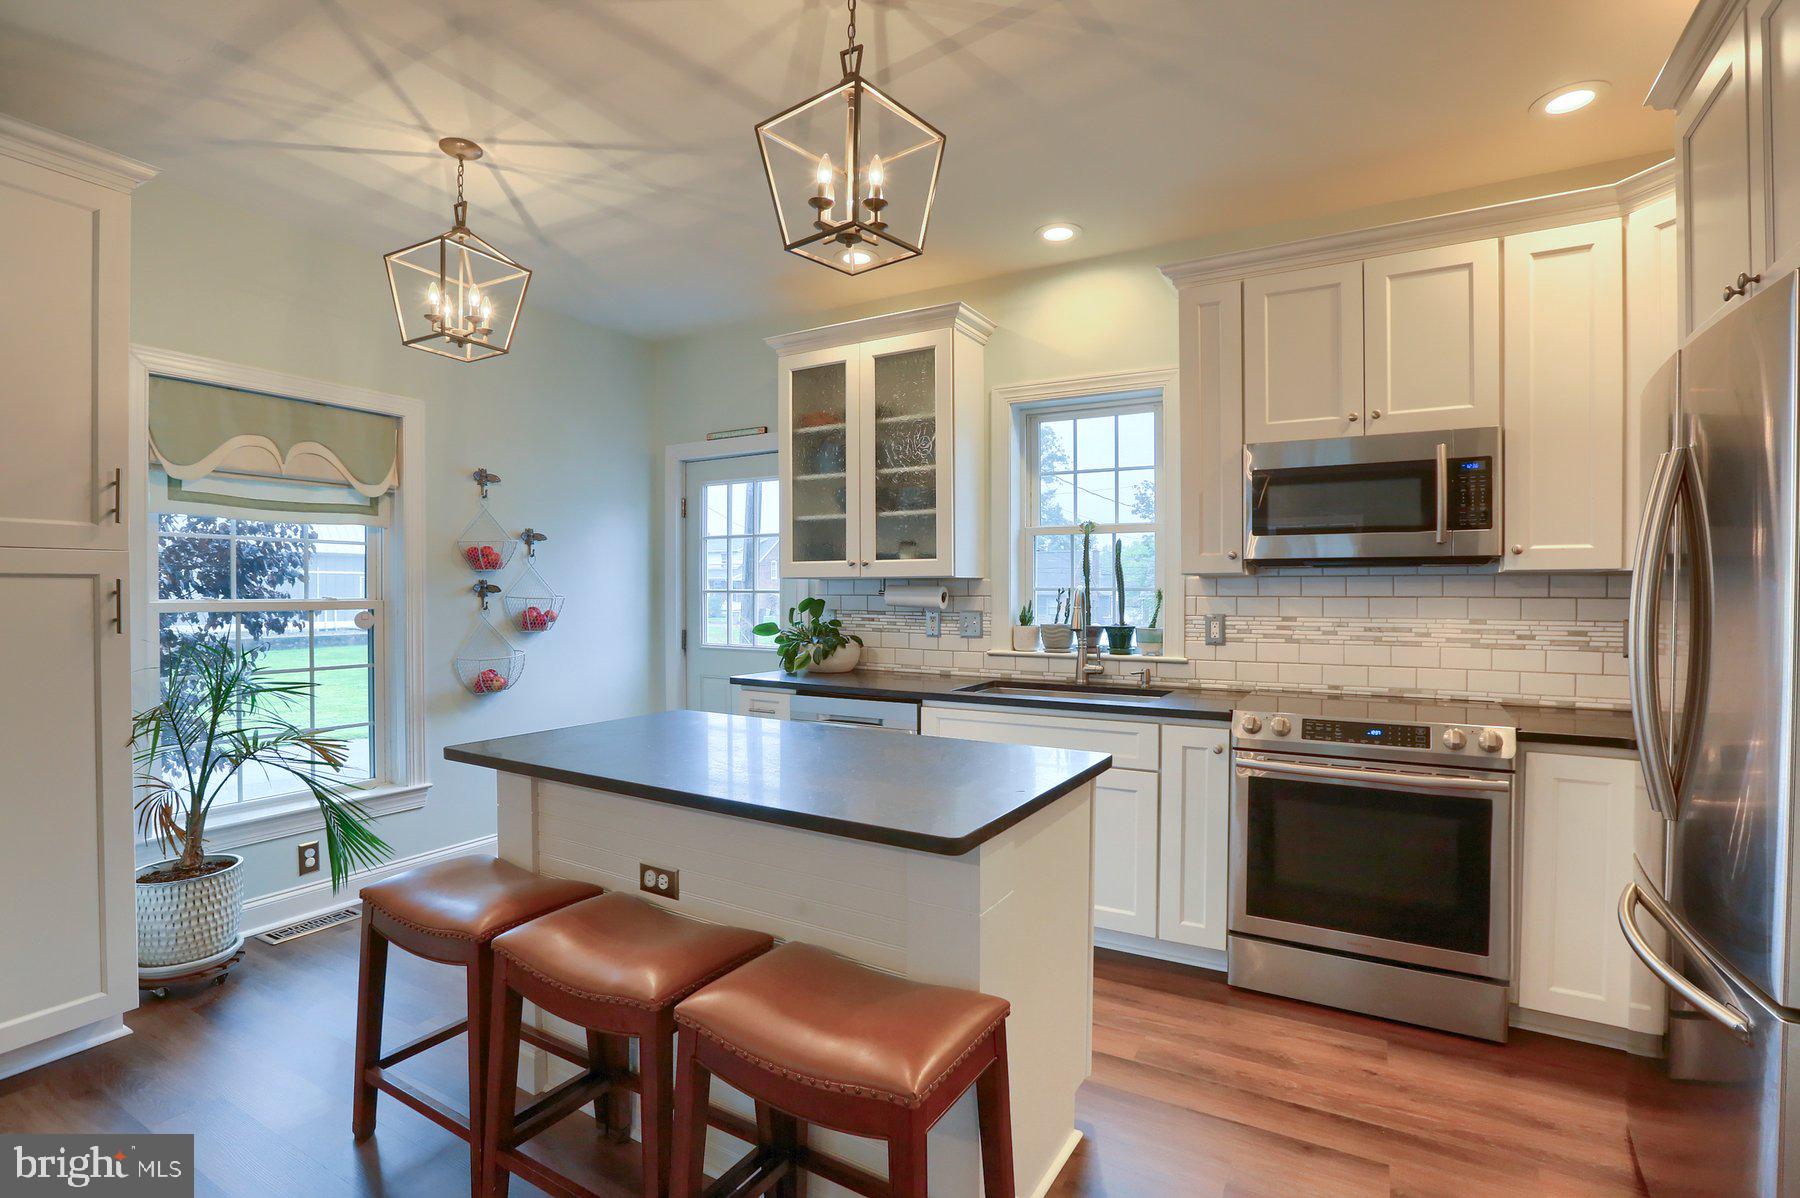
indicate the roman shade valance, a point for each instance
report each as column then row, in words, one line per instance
column 198, row 429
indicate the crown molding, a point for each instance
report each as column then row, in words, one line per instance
column 47, row 148
column 1494, row 220
column 956, row 315
column 1692, row 52
column 1087, row 385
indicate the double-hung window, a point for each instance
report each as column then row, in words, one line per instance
column 1092, row 463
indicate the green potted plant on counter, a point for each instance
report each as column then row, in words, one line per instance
column 1058, row 634
column 1090, row 631
column 1025, row 636
column 811, row 643
column 1118, row 633
column 1150, row 637
column 222, row 712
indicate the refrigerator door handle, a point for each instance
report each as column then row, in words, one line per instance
column 1723, row 1013
column 1646, row 595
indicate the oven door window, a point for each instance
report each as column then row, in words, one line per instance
column 1385, row 864
column 1368, row 497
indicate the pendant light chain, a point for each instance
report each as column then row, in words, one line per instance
column 852, row 30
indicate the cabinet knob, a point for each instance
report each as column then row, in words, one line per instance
column 1232, row 554
column 1518, row 549
column 1218, row 748
column 1353, row 417
column 1744, row 282
column 1375, row 415
column 865, row 563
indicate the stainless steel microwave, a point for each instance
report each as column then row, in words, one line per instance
column 1400, row 497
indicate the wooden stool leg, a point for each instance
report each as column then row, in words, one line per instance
column 656, row 1099
column 693, row 1092
column 612, row 1111
column 993, row 1104
column 504, row 1008
column 371, row 995
column 481, row 986
column 783, row 1135
column 906, row 1156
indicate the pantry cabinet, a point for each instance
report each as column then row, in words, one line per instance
column 1195, row 836
column 883, row 446
column 1303, row 354
column 1431, row 337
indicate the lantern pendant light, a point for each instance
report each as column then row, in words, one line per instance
column 455, row 294
column 852, row 172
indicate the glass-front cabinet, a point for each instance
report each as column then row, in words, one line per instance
column 884, row 447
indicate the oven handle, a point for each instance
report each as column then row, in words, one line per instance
column 1260, row 767
column 1443, row 493
column 1722, row 1012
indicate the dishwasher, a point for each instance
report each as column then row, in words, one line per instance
column 885, row 716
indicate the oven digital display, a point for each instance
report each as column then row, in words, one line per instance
column 1405, row 736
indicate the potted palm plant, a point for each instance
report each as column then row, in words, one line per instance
column 220, row 712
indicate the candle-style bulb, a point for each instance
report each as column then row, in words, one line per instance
column 824, row 174
column 877, row 177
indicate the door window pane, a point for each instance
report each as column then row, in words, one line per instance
column 740, row 561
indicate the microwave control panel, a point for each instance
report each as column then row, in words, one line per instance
column 1471, row 498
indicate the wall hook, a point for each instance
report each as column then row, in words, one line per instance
column 531, row 537
column 484, row 478
column 483, row 588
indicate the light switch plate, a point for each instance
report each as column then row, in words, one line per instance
column 970, row 623
column 1215, row 628
column 934, row 623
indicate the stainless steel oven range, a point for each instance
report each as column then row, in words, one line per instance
column 1371, row 858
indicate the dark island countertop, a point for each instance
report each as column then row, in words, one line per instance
column 1537, row 724
column 926, row 793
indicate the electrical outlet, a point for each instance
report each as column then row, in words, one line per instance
column 654, row 879
column 969, row 623
column 309, row 857
column 1215, row 628
column 934, row 623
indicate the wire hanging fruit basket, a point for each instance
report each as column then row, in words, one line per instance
column 532, row 605
column 484, row 545
column 486, row 664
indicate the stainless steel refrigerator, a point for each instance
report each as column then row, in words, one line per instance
column 1712, row 647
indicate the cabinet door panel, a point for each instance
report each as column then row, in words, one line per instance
column 1431, row 323
column 1212, row 395
column 1196, row 813
column 1775, row 35
column 821, row 464
column 1713, row 135
column 1125, row 851
column 909, row 477
column 63, row 404
column 67, row 852
column 1565, row 419
column 1303, row 354
column 1652, row 333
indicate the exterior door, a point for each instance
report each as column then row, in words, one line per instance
column 1565, row 399
column 1196, row 813
column 1303, row 354
column 63, row 403
column 67, row 852
column 909, row 483
column 820, row 427
column 1713, row 185
column 1431, row 335
column 1212, row 421
column 732, row 579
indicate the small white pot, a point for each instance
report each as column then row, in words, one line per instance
column 1150, row 641
column 1025, row 638
column 1057, row 637
column 843, row 661
column 190, row 919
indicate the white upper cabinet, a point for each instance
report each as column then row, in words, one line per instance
column 1652, row 334
column 1564, row 427
column 1431, row 336
column 1774, row 47
column 1212, row 428
column 65, row 311
column 882, row 429
column 1303, row 354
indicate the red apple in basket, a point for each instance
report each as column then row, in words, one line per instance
column 490, row 558
column 473, row 556
column 532, row 619
column 489, row 681
column 549, row 616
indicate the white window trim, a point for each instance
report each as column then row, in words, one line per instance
column 1009, row 408
column 403, row 588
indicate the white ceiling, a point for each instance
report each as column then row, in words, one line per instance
column 622, row 166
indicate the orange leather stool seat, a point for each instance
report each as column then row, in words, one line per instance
column 816, row 1038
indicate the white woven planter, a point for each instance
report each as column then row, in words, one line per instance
column 842, row 661
column 190, row 919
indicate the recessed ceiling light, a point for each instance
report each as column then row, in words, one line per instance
column 1062, row 230
column 1572, row 97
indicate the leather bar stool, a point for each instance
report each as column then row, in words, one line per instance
column 615, row 966
column 815, row 1038
column 450, row 912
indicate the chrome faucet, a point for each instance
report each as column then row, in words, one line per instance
column 1083, row 667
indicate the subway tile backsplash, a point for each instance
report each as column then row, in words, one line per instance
column 1440, row 632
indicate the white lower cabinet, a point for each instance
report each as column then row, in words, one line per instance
column 1195, row 836
column 1582, row 820
column 760, row 701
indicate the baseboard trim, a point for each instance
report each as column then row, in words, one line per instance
column 1638, row 1044
column 66, row 1044
column 1056, row 1166
column 1161, row 950
column 282, row 907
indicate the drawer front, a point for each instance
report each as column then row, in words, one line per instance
column 757, row 701
column 1133, row 746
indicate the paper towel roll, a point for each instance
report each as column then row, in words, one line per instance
column 934, row 598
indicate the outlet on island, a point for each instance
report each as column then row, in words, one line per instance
column 654, row 879
column 308, row 854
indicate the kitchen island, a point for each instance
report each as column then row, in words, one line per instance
column 949, row 861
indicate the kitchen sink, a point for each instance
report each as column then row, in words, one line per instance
column 1060, row 690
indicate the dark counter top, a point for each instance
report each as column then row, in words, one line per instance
column 926, row 793
column 1537, row 724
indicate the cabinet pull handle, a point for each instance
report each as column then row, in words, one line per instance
column 118, row 490
column 118, row 620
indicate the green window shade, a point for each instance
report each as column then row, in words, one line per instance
column 198, row 429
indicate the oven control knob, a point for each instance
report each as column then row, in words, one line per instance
column 1250, row 724
column 1489, row 740
column 1281, row 725
column 1455, row 739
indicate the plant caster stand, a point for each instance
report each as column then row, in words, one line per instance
column 156, row 981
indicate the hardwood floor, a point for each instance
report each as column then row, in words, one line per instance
column 1198, row 1090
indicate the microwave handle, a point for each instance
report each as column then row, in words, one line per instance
column 1443, row 493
